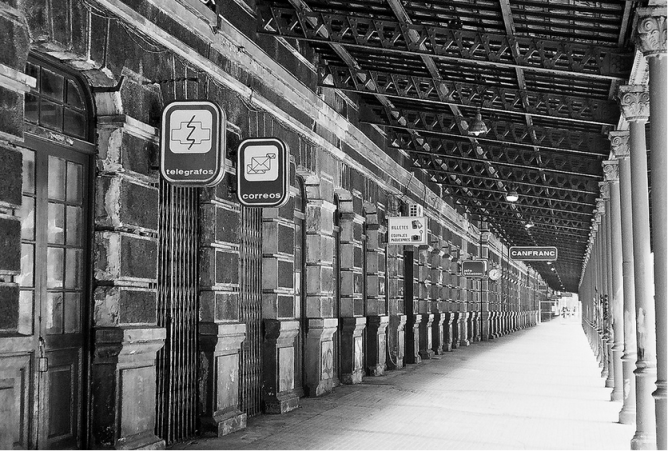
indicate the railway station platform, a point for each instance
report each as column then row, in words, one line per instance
column 538, row 388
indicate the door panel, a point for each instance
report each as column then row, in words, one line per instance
column 64, row 382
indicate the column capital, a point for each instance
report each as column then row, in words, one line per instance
column 651, row 36
column 611, row 170
column 634, row 102
column 619, row 142
column 604, row 187
column 600, row 208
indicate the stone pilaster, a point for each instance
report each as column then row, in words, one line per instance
column 376, row 309
column 396, row 305
column 281, row 390
column 319, row 252
column 351, row 292
column 126, row 270
column 220, row 330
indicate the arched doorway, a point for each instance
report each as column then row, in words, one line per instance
column 55, row 250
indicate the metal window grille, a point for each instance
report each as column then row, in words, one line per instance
column 176, row 393
column 250, row 310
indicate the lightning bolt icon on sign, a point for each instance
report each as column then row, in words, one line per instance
column 192, row 130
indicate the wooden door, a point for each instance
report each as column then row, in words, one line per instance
column 53, row 281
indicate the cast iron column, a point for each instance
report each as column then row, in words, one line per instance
column 602, row 287
column 606, row 267
column 651, row 40
column 620, row 147
column 634, row 102
column 611, row 172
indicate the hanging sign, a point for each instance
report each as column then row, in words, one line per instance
column 407, row 230
column 263, row 172
column 474, row 269
column 192, row 143
column 534, row 253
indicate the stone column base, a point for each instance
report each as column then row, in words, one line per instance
column 220, row 344
column 124, row 387
column 438, row 331
column 278, row 372
column 456, row 329
column 447, row 331
column 377, row 345
column 319, row 356
column 463, row 328
column 413, row 341
column 396, row 336
column 352, row 350
column 475, row 326
column 425, row 332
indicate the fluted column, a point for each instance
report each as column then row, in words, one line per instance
column 611, row 172
column 634, row 102
column 651, row 40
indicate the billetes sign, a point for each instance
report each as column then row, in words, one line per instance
column 407, row 230
column 534, row 253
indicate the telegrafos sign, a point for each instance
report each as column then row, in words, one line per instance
column 263, row 172
column 534, row 253
column 407, row 230
column 192, row 143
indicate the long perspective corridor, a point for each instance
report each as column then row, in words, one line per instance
column 539, row 388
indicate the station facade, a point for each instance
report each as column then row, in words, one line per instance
column 136, row 313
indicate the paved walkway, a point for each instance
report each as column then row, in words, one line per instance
column 539, row 388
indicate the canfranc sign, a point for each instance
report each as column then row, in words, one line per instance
column 534, row 253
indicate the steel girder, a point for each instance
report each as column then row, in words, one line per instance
column 488, row 97
column 500, row 131
column 527, row 181
column 544, row 55
column 588, row 168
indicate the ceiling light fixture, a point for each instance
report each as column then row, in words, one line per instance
column 512, row 196
column 478, row 126
column 529, row 224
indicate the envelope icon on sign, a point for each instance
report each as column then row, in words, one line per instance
column 261, row 164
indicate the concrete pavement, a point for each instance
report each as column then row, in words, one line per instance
column 539, row 388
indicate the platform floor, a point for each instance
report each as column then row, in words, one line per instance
column 538, row 388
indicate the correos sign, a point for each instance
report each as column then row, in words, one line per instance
column 263, row 172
